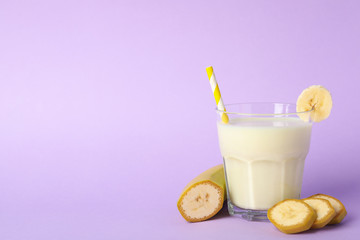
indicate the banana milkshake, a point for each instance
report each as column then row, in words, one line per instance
column 263, row 158
column 264, row 146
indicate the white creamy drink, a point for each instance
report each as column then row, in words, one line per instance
column 264, row 159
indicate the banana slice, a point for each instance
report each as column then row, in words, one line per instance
column 315, row 98
column 324, row 211
column 292, row 216
column 337, row 205
column 204, row 196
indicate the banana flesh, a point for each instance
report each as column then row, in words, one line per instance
column 316, row 99
column 324, row 211
column 337, row 205
column 204, row 196
column 292, row 216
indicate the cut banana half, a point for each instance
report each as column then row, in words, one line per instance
column 204, row 196
column 292, row 216
column 337, row 205
column 315, row 98
column 324, row 211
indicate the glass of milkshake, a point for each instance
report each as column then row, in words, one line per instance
column 264, row 146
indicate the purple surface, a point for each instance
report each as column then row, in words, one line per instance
column 106, row 111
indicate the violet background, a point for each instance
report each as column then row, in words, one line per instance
column 106, row 111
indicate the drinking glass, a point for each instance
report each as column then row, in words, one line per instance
column 264, row 146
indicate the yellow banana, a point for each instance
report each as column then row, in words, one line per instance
column 204, row 196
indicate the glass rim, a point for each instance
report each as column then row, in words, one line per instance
column 261, row 114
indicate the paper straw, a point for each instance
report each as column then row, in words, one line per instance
column 217, row 95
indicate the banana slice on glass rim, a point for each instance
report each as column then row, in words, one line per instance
column 315, row 98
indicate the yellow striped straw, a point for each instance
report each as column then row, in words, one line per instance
column 217, row 95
